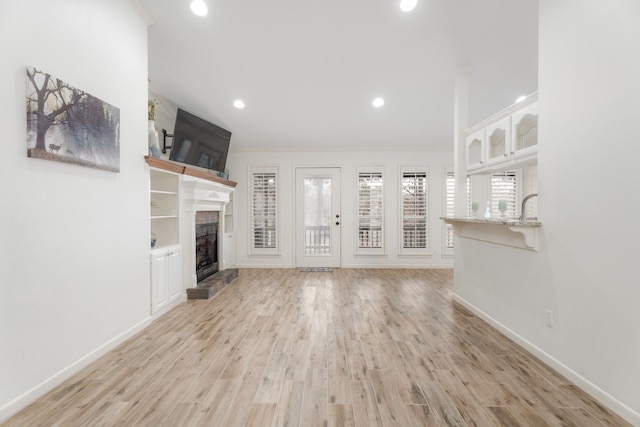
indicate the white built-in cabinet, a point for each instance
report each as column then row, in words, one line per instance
column 229, row 252
column 507, row 140
column 166, row 252
column 166, row 277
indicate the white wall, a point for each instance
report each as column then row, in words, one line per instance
column 585, row 270
column 239, row 162
column 74, row 265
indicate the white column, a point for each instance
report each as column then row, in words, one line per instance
column 460, row 125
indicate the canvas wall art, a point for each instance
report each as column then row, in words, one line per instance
column 66, row 124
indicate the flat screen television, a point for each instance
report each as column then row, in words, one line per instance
column 199, row 143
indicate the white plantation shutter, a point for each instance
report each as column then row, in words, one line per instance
column 469, row 196
column 530, row 187
column 414, row 209
column 450, row 206
column 370, row 210
column 264, row 208
column 504, row 186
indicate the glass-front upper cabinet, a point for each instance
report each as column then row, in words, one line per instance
column 525, row 130
column 475, row 150
column 499, row 140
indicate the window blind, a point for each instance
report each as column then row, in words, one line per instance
column 263, row 210
column 414, row 210
column 450, row 206
column 370, row 210
column 504, row 186
column 469, row 196
column 531, row 186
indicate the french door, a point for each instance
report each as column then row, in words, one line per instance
column 318, row 217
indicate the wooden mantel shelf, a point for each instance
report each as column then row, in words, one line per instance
column 181, row 169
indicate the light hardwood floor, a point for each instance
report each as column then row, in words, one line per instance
column 352, row 347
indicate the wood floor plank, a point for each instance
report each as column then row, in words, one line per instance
column 390, row 404
column 358, row 369
column 443, row 407
column 340, row 415
column 272, row 379
column 289, row 406
column 260, row 415
column 421, row 415
column 339, row 385
column 314, row 404
column 365, row 407
column 350, row 347
column 462, row 399
column 216, row 403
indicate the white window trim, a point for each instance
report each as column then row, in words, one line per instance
column 447, row 252
column 358, row 251
column 402, row 251
column 253, row 169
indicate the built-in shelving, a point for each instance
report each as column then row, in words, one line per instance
column 164, row 209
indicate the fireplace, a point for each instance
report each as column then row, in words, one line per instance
column 206, row 243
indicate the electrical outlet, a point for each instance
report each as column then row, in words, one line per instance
column 548, row 317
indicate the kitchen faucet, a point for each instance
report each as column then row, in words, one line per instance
column 524, row 203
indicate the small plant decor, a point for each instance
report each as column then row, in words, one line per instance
column 152, row 109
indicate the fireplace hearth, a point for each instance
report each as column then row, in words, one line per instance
column 207, row 223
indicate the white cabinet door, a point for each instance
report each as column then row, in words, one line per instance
column 525, row 131
column 166, row 277
column 174, row 273
column 228, row 251
column 159, row 285
column 475, row 150
column 498, row 141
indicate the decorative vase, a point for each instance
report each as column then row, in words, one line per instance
column 475, row 206
column 154, row 143
column 487, row 212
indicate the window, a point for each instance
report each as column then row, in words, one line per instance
column 530, row 187
column 450, row 205
column 469, row 196
column 370, row 215
column 263, row 205
column 413, row 210
column 504, row 186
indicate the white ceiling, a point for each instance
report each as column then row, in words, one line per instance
column 308, row 70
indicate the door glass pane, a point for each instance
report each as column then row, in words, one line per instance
column 317, row 215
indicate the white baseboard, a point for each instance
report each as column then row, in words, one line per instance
column 419, row 266
column 584, row 384
column 39, row 390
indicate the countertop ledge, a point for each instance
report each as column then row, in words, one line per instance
column 507, row 232
column 495, row 221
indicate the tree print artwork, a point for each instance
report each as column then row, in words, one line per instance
column 66, row 124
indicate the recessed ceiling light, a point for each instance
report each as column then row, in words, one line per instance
column 408, row 5
column 199, row 7
column 521, row 98
column 378, row 102
column 238, row 104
